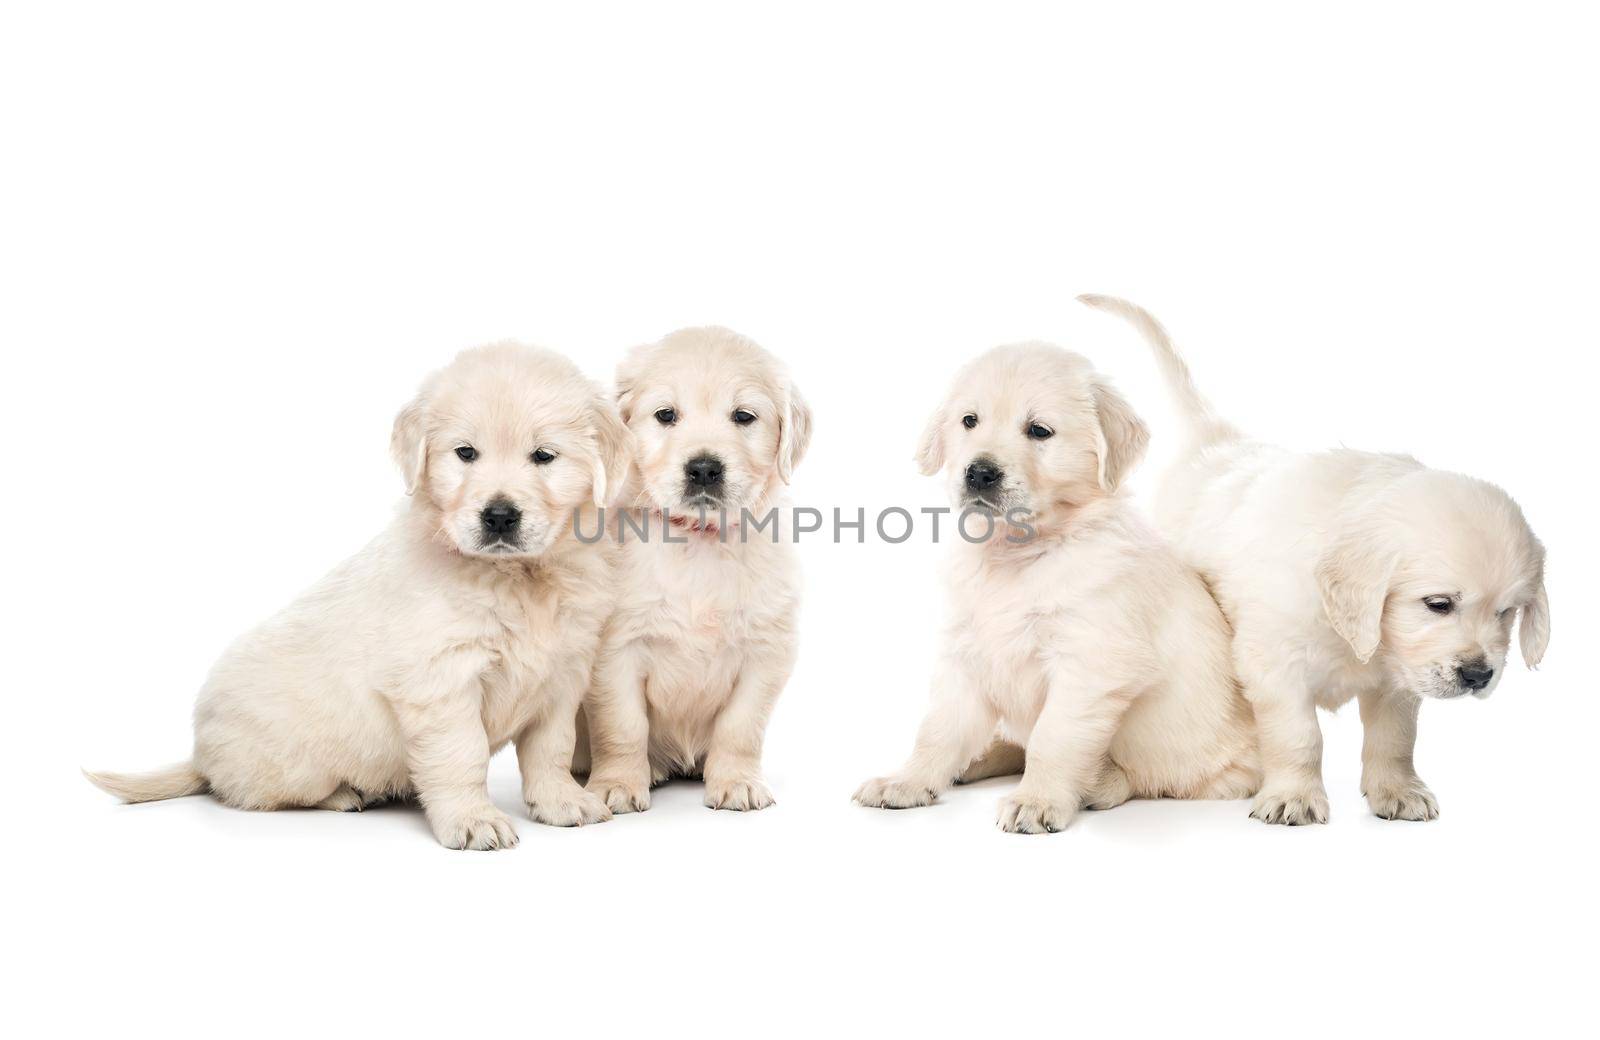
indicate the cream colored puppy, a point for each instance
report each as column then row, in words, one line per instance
column 1346, row 575
column 473, row 620
column 1088, row 642
column 703, row 638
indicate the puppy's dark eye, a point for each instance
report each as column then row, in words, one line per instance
column 743, row 417
column 541, row 456
column 1040, row 432
column 466, row 453
column 666, row 416
column 1439, row 604
column 969, row 420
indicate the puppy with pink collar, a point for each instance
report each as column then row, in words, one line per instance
column 702, row 638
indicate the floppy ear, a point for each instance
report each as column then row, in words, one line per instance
column 1123, row 436
column 627, row 382
column 409, row 445
column 930, row 451
column 1353, row 577
column 1534, row 632
column 794, row 433
column 624, row 397
column 613, row 451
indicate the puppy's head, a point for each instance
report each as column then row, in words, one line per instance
column 504, row 445
column 717, row 421
column 1430, row 578
column 1032, row 427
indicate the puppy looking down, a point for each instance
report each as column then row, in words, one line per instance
column 1346, row 574
column 471, row 621
column 703, row 637
column 1089, row 643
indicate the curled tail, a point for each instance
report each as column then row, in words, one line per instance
column 1204, row 425
column 171, row 782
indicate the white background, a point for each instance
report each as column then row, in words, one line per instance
column 234, row 241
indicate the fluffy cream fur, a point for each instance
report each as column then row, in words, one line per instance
column 1090, row 644
column 1346, row 575
column 405, row 669
column 703, row 637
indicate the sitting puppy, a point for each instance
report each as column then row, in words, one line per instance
column 473, row 620
column 1088, row 642
column 1346, row 575
column 703, row 638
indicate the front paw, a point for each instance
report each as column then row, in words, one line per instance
column 480, row 828
column 1029, row 814
column 1401, row 798
column 619, row 795
column 887, row 792
column 738, row 793
column 565, row 805
column 1292, row 807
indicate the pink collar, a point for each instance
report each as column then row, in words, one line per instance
column 707, row 527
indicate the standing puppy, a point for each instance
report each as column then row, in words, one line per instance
column 1346, row 574
column 703, row 638
column 471, row 621
column 1088, row 643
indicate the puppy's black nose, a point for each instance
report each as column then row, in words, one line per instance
column 501, row 519
column 1474, row 676
column 983, row 475
column 703, row 471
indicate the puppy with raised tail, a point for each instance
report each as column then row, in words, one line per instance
column 1085, row 642
column 703, row 637
column 1346, row 575
column 472, row 621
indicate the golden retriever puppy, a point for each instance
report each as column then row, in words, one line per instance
column 703, row 637
column 473, row 620
column 1076, row 633
column 1346, row 575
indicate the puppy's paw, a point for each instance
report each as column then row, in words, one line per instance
column 888, row 792
column 566, row 805
column 1029, row 814
column 344, row 799
column 479, row 827
column 738, row 793
column 1292, row 807
column 1402, row 798
column 620, row 796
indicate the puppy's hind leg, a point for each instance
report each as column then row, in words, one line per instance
column 1240, row 780
column 346, row 799
column 1110, row 790
column 1002, row 758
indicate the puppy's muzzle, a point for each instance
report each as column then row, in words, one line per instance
column 703, row 478
column 501, row 522
column 1474, row 675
